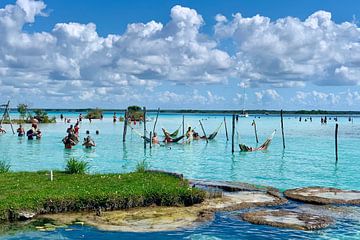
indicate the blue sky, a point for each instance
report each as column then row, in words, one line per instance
column 181, row 54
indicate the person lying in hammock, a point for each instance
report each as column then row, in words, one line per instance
column 264, row 146
column 169, row 139
column 196, row 136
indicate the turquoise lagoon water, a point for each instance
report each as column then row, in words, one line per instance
column 308, row 160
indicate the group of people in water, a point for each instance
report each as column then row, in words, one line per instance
column 33, row 133
column 72, row 137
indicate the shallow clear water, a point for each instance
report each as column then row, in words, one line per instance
column 309, row 159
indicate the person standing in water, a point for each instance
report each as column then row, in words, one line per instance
column 20, row 131
column 88, row 142
column 114, row 117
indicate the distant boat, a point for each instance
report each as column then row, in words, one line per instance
column 244, row 114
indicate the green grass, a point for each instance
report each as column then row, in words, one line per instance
column 27, row 191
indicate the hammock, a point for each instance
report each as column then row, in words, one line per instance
column 174, row 134
column 264, row 146
column 147, row 139
column 213, row 135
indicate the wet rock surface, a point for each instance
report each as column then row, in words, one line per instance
column 231, row 201
column 321, row 195
column 288, row 219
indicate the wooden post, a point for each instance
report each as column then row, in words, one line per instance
column 183, row 125
column 233, row 134
column 202, row 127
column 150, row 139
column 282, row 128
column 226, row 131
column 51, row 175
column 157, row 116
column 256, row 136
column 336, row 142
column 125, row 126
column 7, row 115
column 144, row 118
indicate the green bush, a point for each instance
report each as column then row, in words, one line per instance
column 4, row 167
column 22, row 109
column 74, row 166
column 134, row 108
column 42, row 117
column 94, row 114
column 135, row 112
column 141, row 167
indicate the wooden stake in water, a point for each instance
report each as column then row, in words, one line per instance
column 202, row 127
column 51, row 176
column 282, row 128
column 256, row 136
column 336, row 142
column 233, row 134
column 144, row 119
column 157, row 116
column 183, row 125
column 125, row 126
column 150, row 139
column 226, row 131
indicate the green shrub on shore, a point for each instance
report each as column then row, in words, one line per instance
column 4, row 167
column 34, row 192
column 74, row 166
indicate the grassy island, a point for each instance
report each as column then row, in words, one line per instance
column 33, row 192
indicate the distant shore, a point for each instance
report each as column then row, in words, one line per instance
column 200, row 111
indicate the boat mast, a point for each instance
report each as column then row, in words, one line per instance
column 243, row 110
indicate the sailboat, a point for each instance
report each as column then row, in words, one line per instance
column 244, row 113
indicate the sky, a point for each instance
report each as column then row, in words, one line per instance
column 203, row 54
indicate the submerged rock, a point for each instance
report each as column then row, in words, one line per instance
column 151, row 219
column 288, row 219
column 322, row 195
